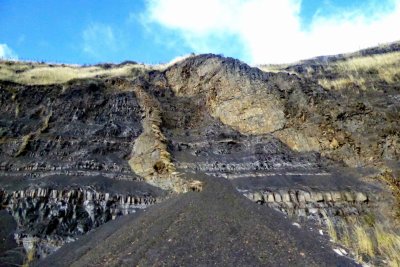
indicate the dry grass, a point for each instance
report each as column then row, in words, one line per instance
column 330, row 228
column 342, row 83
column 42, row 74
column 369, row 244
column 363, row 71
column 388, row 245
column 273, row 67
column 394, row 184
column 364, row 245
column 355, row 71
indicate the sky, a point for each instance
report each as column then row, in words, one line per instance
column 157, row 31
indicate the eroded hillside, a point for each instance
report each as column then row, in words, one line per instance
column 78, row 154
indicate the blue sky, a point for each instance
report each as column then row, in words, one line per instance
column 154, row 31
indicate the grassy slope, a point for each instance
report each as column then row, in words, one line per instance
column 367, row 70
column 33, row 73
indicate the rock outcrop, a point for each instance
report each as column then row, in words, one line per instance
column 77, row 155
column 314, row 205
column 47, row 218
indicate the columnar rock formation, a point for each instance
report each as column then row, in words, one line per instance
column 47, row 218
column 312, row 204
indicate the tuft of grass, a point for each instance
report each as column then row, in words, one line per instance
column 330, row 227
column 362, row 72
column 388, row 245
column 371, row 244
column 364, row 245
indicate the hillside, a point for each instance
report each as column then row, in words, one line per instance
column 206, row 161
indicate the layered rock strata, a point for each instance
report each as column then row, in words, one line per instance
column 47, row 218
column 313, row 204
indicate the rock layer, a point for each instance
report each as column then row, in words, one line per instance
column 47, row 218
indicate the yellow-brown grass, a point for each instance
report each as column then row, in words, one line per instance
column 32, row 73
column 371, row 244
column 360, row 70
column 354, row 71
column 41, row 74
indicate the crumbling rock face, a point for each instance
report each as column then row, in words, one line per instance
column 313, row 204
column 47, row 218
column 241, row 97
column 69, row 128
column 358, row 129
column 150, row 157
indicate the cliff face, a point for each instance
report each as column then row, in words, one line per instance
column 279, row 139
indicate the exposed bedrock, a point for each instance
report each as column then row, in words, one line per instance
column 67, row 128
column 357, row 129
column 242, row 97
column 70, row 154
column 47, row 218
column 313, row 204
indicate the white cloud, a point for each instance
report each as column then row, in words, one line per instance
column 99, row 40
column 7, row 53
column 270, row 30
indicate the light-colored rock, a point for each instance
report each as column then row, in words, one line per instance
column 285, row 196
column 269, row 197
column 327, row 196
column 336, row 196
column 249, row 195
column 313, row 211
column 277, row 197
column 299, row 140
column 300, row 196
column 348, row 196
column 307, row 196
column 258, row 197
column 253, row 114
column 361, row 197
